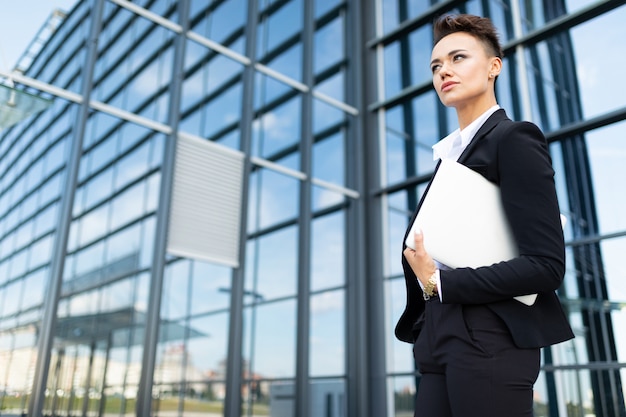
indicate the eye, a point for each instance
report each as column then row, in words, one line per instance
column 458, row 57
column 435, row 68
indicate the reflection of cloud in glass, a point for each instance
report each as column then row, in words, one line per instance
column 141, row 306
column 326, row 197
column 274, row 126
column 83, row 304
column 327, row 302
column 147, row 82
column 93, row 225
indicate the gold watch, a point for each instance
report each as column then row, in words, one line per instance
column 430, row 289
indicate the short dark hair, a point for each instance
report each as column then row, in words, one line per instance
column 480, row 27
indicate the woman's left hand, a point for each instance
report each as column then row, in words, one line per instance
column 420, row 261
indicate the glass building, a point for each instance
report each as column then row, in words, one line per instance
column 328, row 108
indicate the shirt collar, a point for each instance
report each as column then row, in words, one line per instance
column 448, row 146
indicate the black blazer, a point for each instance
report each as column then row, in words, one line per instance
column 515, row 156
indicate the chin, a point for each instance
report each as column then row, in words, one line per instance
column 450, row 103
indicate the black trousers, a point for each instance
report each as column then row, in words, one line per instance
column 470, row 366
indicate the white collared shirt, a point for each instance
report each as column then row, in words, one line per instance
column 451, row 147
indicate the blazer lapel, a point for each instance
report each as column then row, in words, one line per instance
column 489, row 124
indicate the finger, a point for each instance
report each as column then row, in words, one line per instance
column 418, row 238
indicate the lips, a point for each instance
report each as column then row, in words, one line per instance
column 448, row 85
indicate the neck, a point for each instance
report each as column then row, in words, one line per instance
column 467, row 114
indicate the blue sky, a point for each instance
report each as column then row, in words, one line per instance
column 20, row 20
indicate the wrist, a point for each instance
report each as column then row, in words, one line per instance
column 430, row 287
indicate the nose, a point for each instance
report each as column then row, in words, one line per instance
column 444, row 70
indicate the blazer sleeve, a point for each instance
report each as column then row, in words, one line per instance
column 521, row 164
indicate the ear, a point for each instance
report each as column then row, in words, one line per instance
column 495, row 66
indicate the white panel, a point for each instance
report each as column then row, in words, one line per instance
column 206, row 202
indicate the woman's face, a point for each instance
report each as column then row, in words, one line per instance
column 463, row 74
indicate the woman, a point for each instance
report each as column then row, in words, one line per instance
column 477, row 348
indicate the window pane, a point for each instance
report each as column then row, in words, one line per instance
column 608, row 170
column 328, row 45
column 282, row 24
column 328, row 252
column 176, row 290
column 327, row 346
column 272, row 269
column 277, row 129
column 210, row 287
column 208, row 350
column 273, row 198
column 270, row 348
column 593, row 61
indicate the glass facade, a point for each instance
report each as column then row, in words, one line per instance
column 332, row 105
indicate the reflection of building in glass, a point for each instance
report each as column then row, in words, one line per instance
column 327, row 109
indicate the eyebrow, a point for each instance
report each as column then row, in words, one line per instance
column 449, row 54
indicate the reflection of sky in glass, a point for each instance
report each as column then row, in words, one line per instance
column 277, row 129
column 325, row 115
column 280, row 26
column 392, row 79
column 328, row 159
column 333, row 87
column 390, row 12
column 322, row 6
column 208, row 352
column 273, row 265
column 273, row 197
column 607, row 157
column 600, row 92
column 328, row 45
column 419, row 54
column 328, row 252
column 273, row 347
column 328, row 334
